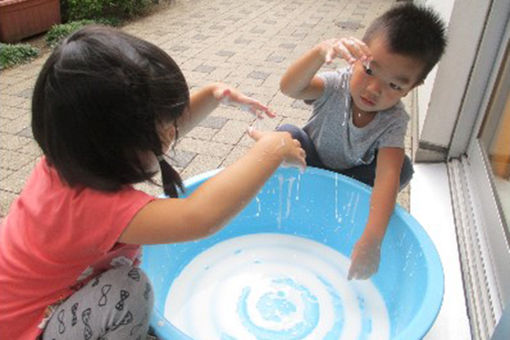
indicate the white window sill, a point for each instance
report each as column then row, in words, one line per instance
column 430, row 204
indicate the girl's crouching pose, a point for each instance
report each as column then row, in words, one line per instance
column 106, row 108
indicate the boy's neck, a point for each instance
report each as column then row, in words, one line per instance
column 361, row 118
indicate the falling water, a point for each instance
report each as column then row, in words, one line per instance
column 289, row 195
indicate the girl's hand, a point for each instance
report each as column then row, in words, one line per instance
column 365, row 258
column 230, row 96
column 350, row 49
column 282, row 143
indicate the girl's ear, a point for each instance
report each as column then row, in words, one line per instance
column 167, row 134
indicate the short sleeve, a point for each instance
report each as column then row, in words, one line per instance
column 331, row 82
column 121, row 211
column 85, row 224
column 394, row 136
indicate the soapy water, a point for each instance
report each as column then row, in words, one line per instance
column 274, row 286
column 344, row 85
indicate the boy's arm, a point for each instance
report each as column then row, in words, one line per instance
column 300, row 81
column 365, row 255
column 206, row 99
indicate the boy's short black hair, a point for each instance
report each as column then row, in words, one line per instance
column 413, row 31
column 96, row 106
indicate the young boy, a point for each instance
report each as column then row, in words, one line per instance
column 358, row 123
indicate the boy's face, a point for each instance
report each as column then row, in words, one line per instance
column 388, row 77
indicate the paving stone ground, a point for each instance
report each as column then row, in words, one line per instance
column 247, row 44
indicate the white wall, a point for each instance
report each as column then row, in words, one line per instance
column 444, row 9
column 440, row 98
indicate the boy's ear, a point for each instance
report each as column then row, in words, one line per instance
column 418, row 83
column 415, row 85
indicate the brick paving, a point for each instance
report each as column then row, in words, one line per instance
column 247, row 44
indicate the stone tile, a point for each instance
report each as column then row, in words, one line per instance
column 246, row 141
column 200, row 37
column 11, row 100
column 231, row 132
column 275, row 58
column 293, row 121
column 208, row 148
column 178, row 48
column 214, row 122
column 3, row 122
column 12, row 142
column 258, row 75
column 225, row 53
column 287, row 46
column 200, row 164
column 5, row 172
column 233, row 156
column 6, row 201
column 26, row 93
column 26, row 132
column 31, row 148
column 200, row 132
column 16, row 181
column 257, row 30
column 12, row 112
column 17, row 125
column 218, row 27
column 243, row 41
column 14, row 160
column 181, row 158
column 267, row 124
column 9, row 79
column 204, row 69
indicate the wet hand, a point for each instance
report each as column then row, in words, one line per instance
column 232, row 97
column 351, row 49
column 365, row 258
column 283, row 143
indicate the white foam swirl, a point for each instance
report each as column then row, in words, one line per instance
column 274, row 286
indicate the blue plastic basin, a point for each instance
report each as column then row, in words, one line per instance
column 330, row 209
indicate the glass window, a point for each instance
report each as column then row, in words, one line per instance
column 495, row 137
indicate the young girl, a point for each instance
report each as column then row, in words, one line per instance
column 106, row 108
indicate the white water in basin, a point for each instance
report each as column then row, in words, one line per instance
column 274, row 286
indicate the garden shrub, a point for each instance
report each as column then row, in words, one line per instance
column 14, row 54
column 96, row 9
column 60, row 31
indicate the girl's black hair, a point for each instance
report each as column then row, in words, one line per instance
column 414, row 31
column 97, row 105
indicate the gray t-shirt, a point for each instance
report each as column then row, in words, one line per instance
column 339, row 143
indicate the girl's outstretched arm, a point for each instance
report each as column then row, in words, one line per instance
column 205, row 100
column 215, row 202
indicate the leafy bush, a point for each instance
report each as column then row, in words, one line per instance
column 58, row 32
column 14, row 54
column 96, row 9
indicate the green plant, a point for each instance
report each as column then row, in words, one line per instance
column 14, row 54
column 60, row 31
column 95, row 9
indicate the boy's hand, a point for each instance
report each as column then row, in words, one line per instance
column 350, row 49
column 229, row 96
column 364, row 258
column 282, row 143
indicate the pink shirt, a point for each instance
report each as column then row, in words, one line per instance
column 53, row 241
